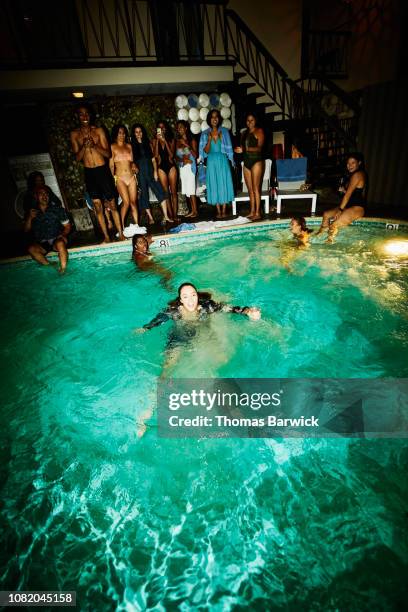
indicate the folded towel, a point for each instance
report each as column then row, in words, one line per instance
column 133, row 229
column 289, row 170
column 237, row 221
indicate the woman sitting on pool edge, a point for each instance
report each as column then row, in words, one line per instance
column 192, row 304
column 353, row 201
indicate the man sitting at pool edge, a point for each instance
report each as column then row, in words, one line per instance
column 50, row 227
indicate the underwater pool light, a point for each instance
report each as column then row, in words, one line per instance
column 397, row 248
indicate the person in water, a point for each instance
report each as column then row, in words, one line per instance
column 352, row 204
column 192, row 304
column 143, row 258
column 300, row 231
column 189, row 310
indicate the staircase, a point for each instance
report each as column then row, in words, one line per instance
column 313, row 113
column 316, row 115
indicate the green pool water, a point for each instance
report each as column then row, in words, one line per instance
column 155, row 524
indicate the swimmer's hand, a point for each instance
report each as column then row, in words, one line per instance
column 253, row 313
column 139, row 330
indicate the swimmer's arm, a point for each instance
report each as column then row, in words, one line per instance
column 159, row 319
column 250, row 311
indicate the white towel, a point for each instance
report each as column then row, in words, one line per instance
column 133, row 229
column 237, row 221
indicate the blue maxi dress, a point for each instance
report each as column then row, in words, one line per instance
column 218, row 176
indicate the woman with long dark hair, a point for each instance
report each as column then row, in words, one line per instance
column 186, row 155
column 148, row 177
column 164, row 149
column 123, row 170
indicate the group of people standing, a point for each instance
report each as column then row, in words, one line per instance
column 137, row 164
column 133, row 164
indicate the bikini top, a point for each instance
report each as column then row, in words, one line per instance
column 127, row 156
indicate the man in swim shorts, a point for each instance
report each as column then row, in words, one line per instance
column 50, row 227
column 91, row 147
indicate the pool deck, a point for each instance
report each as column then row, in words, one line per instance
column 161, row 242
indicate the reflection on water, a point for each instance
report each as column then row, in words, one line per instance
column 181, row 524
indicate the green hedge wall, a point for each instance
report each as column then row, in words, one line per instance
column 61, row 119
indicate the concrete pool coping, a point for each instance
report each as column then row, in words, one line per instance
column 162, row 242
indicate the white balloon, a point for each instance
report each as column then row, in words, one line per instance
column 195, row 127
column 225, row 99
column 182, row 114
column 193, row 114
column 181, row 101
column 203, row 113
column 204, row 126
column 227, row 124
column 203, row 99
column 225, row 112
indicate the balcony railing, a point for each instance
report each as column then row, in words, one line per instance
column 85, row 33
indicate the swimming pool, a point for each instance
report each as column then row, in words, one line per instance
column 162, row 524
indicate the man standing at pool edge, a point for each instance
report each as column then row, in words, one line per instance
column 90, row 146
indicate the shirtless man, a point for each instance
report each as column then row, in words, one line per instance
column 90, row 146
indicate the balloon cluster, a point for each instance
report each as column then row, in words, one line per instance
column 195, row 109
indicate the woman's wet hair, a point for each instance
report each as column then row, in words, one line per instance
column 137, row 237
column 202, row 295
column 115, row 132
column 302, row 222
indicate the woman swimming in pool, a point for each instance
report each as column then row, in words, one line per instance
column 300, row 231
column 189, row 310
column 193, row 305
column 144, row 259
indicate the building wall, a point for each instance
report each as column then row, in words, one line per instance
column 381, row 138
column 278, row 25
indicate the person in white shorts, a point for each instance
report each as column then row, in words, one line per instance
column 186, row 155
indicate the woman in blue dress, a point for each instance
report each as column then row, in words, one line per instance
column 215, row 145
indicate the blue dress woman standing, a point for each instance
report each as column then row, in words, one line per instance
column 215, row 145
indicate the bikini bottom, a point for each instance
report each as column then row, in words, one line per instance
column 126, row 179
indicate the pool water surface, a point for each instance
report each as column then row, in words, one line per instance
column 147, row 523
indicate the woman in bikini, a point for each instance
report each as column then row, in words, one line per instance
column 123, row 170
column 252, row 140
column 164, row 149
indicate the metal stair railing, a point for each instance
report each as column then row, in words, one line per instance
column 293, row 101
